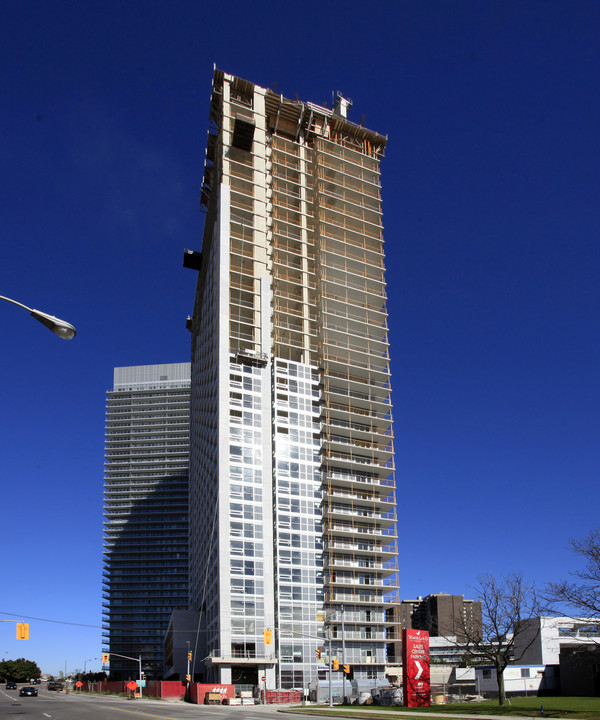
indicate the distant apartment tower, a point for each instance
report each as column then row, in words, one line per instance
column 441, row 614
column 292, row 516
column 145, row 512
column 444, row 614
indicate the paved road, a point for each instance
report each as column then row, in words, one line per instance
column 50, row 705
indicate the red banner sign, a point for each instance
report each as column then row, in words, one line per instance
column 415, row 668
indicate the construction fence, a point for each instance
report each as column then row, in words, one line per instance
column 197, row 693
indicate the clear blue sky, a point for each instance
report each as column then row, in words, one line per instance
column 491, row 209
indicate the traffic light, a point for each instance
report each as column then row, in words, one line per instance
column 190, row 656
column 319, row 653
column 268, row 635
column 22, row 631
column 346, row 669
column 105, row 657
column 335, row 664
column 188, row 678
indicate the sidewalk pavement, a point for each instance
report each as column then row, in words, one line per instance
column 369, row 711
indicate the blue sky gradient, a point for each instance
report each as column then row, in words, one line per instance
column 491, row 213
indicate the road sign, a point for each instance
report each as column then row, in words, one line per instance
column 263, row 678
column 79, row 684
column 415, row 663
column 132, row 685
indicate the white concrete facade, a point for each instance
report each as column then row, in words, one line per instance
column 544, row 637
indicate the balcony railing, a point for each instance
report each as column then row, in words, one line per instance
column 242, row 656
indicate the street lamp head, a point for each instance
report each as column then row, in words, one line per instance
column 59, row 327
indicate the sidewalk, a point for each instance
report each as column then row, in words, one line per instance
column 369, row 711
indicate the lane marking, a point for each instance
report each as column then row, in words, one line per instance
column 133, row 712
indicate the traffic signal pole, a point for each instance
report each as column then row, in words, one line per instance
column 22, row 629
column 188, row 677
column 330, row 669
column 137, row 659
column 343, row 659
column 345, row 667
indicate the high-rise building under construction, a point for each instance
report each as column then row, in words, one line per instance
column 292, row 501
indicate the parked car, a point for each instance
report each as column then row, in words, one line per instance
column 28, row 690
column 10, row 685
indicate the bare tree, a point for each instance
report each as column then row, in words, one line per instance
column 508, row 607
column 582, row 594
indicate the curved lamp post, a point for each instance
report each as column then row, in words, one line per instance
column 59, row 327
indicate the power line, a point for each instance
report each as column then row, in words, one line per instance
column 150, row 631
column 58, row 622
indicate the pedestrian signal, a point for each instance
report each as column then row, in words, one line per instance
column 190, row 655
column 346, row 669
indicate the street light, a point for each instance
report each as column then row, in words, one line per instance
column 85, row 662
column 59, row 327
